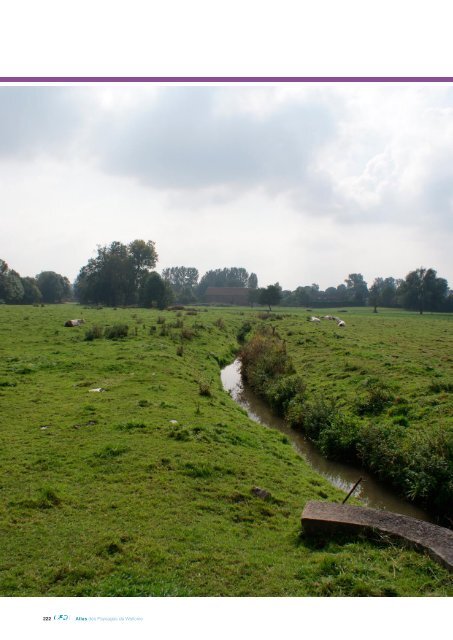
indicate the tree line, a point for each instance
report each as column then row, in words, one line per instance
column 421, row 290
column 124, row 275
column 46, row 287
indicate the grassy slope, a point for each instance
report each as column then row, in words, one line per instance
column 410, row 355
column 112, row 498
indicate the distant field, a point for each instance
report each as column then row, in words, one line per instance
column 145, row 488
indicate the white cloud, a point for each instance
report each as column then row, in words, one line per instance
column 297, row 183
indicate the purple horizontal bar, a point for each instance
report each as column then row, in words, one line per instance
column 294, row 79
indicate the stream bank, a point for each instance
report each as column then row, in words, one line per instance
column 371, row 492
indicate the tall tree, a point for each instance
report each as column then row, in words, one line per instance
column 32, row 294
column 11, row 289
column 115, row 275
column 143, row 257
column 183, row 281
column 252, row 282
column 422, row 290
column 388, row 293
column 53, row 286
column 357, row 289
column 271, row 295
column 375, row 293
column 155, row 291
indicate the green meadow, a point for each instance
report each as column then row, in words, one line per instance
column 377, row 391
column 126, row 469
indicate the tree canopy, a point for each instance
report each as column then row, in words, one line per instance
column 154, row 291
column 53, row 286
column 183, row 282
column 226, row 277
column 422, row 290
column 271, row 295
column 115, row 275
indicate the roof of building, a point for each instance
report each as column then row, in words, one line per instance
column 227, row 291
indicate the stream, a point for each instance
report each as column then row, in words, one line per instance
column 370, row 491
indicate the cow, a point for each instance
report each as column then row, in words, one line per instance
column 74, row 323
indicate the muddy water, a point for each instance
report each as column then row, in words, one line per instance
column 370, row 491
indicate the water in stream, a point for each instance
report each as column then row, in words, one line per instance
column 371, row 492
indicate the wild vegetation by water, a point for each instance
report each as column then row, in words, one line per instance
column 128, row 471
column 377, row 392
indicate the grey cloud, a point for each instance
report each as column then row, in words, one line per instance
column 316, row 151
column 183, row 142
column 37, row 119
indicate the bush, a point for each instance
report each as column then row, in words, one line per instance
column 116, row 332
column 376, row 399
column 220, row 323
column 439, row 387
column 340, row 438
column 263, row 359
column 243, row 332
column 132, row 425
column 282, row 390
column 318, row 415
column 381, row 448
column 94, row 333
column 187, row 333
column 204, row 388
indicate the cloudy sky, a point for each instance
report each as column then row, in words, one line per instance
column 298, row 183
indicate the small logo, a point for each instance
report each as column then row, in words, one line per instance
column 60, row 616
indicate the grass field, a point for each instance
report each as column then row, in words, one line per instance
column 378, row 390
column 145, row 488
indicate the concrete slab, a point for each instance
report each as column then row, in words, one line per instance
column 328, row 517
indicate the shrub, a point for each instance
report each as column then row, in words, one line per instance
column 132, row 425
column 439, row 387
column 47, row 499
column 264, row 358
column 116, row 332
column 296, row 411
column 282, row 390
column 243, row 332
column 94, row 333
column 204, row 388
column 220, row 323
column 318, row 415
column 187, row 333
column 200, row 470
column 380, row 448
column 376, row 399
column 110, row 452
column 8, row 383
column 339, row 439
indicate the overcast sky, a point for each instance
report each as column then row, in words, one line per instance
column 298, row 183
